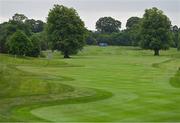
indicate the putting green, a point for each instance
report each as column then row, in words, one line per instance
column 107, row 84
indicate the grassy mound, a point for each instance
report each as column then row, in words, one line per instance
column 175, row 81
column 15, row 83
column 23, row 89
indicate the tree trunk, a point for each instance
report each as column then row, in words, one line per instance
column 156, row 52
column 66, row 55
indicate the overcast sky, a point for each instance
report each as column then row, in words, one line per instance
column 90, row 10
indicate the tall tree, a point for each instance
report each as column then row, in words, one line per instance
column 132, row 21
column 108, row 25
column 133, row 26
column 66, row 30
column 18, row 23
column 155, row 30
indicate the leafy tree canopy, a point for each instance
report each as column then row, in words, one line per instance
column 66, row 30
column 19, row 17
column 132, row 21
column 19, row 44
column 108, row 25
column 35, row 25
column 175, row 29
column 155, row 30
column 36, row 46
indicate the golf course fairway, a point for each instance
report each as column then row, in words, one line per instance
column 100, row 84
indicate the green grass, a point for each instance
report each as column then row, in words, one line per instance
column 107, row 84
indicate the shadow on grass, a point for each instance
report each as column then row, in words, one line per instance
column 22, row 112
column 175, row 81
column 157, row 65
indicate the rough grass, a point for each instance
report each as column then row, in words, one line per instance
column 99, row 84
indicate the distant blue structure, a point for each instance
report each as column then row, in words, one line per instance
column 103, row 44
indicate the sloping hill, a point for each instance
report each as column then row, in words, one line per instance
column 23, row 87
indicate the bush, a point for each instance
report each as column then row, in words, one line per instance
column 36, row 48
column 19, row 44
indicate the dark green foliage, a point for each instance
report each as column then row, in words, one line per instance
column 108, row 25
column 133, row 30
column 121, row 39
column 155, row 30
column 28, row 27
column 176, row 37
column 175, row 28
column 66, row 30
column 91, row 40
column 35, row 25
column 104, row 38
column 10, row 27
column 178, row 45
column 36, row 46
column 44, row 43
column 7, row 29
column 132, row 21
column 108, row 32
column 3, row 37
column 19, row 44
column 19, row 17
column 18, row 25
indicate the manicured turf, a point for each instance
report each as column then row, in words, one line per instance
column 99, row 84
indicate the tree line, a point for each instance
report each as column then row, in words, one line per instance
column 22, row 36
column 65, row 31
column 153, row 31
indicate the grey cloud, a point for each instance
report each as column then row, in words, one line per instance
column 90, row 10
